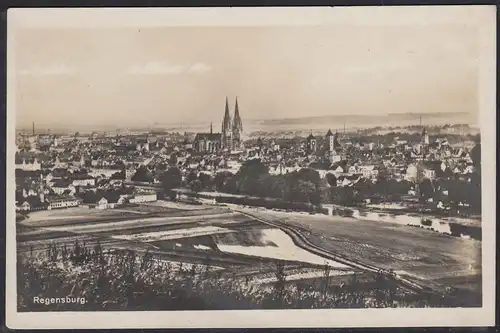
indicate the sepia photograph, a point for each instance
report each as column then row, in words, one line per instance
column 169, row 165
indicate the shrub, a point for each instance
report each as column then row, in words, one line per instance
column 124, row 280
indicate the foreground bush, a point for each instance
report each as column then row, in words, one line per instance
column 123, row 280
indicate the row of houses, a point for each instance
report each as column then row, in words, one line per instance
column 104, row 200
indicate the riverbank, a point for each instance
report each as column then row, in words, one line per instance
column 435, row 260
column 458, row 227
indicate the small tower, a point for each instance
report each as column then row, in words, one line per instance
column 424, row 143
column 211, row 128
column 425, row 137
column 336, row 143
column 146, row 144
column 330, row 140
column 311, row 143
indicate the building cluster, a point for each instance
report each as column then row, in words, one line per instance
column 87, row 170
column 230, row 137
column 111, row 169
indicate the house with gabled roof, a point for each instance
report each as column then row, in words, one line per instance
column 63, row 185
column 62, row 201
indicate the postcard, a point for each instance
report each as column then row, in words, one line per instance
column 251, row 167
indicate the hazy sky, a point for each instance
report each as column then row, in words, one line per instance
column 145, row 75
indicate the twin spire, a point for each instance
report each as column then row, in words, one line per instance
column 226, row 122
column 235, row 124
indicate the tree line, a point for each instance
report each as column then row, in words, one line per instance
column 306, row 186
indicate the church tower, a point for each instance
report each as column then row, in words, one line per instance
column 226, row 128
column 424, row 142
column 335, row 149
column 237, row 127
column 336, row 143
column 425, row 137
column 330, row 141
column 311, row 143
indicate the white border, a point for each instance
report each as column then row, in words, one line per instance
column 484, row 17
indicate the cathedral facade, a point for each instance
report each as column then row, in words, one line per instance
column 230, row 137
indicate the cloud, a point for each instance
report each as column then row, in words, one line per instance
column 152, row 68
column 57, row 69
column 165, row 68
column 200, row 68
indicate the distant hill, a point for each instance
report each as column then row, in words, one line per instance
column 454, row 117
column 321, row 123
column 361, row 121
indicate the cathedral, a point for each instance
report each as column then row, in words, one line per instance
column 230, row 137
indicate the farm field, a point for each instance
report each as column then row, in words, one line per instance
column 430, row 257
column 229, row 238
column 83, row 215
column 240, row 243
column 72, row 213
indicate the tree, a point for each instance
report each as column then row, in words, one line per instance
column 249, row 172
column 206, row 181
column 331, row 179
column 383, row 173
column 307, row 180
column 426, row 189
column 195, row 185
column 261, row 186
column 221, row 179
column 476, row 155
column 161, row 167
column 118, row 175
column 309, row 175
column 191, row 176
column 173, row 160
column 343, row 196
column 172, row 178
column 474, row 193
column 231, row 185
column 142, row 175
column 302, row 191
column 364, row 189
column 278, row 187
column 252, row 168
